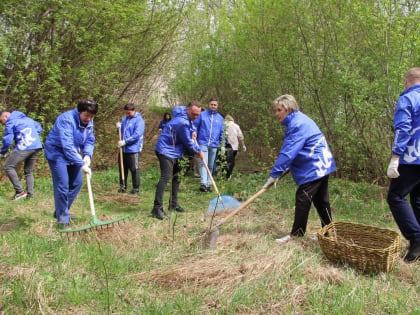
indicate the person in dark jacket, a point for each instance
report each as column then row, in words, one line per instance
column 166, row 117
column 131, row 144
column 176, row 138
column 25, row 132
column 69, row 149
column 306, row 154
column 404, row 167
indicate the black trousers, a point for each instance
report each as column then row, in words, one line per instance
column 230, row 160
column 316, row 192
column 130, row 163
column 169, row 170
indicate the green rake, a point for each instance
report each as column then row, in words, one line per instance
column 94, row 223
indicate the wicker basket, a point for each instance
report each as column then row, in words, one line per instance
column 368, row 248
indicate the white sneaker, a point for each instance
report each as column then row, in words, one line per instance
column 284, row 239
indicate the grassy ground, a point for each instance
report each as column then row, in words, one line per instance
column 147, row 266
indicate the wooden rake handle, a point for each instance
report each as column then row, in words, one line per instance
column 121, row 156
column 91, row 203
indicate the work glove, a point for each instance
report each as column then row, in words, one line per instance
column 270, row 181
column 2, row 156
column 223, row 150
column 118, row 125
column 244, row 148
column 392, row 171
column 87, row 161
column 87, row 170
column 121, row 143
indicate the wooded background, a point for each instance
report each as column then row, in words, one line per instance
column 344, row 61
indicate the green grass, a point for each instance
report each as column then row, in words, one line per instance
column 147, row 266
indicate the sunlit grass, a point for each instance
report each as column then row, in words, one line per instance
column 147, row 266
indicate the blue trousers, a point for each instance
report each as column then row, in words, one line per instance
column 67, row 181
column 210, row 158
column 406, row 215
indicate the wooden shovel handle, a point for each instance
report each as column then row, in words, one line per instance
column 241, row 207
column 245, row 204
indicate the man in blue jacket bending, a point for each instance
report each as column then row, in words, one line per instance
column 404, row 167
column 25, row 132
column 131, row 144
column 175, row 138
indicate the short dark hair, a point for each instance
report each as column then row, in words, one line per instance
column 86, row 105
column 213, row 99
column 129, row 106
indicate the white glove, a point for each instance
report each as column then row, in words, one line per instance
column 392, row 171
column 223, row 150
column 244, row 148
column 121, row 143
column 270, row 182
column 87, row 170
column 118, row 125
column 86, row 159
column 2, row 156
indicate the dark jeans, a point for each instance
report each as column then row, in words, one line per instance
column 130, row 163
column 316, row 192
column 407, row 216
column 230, row 160
column 169, row 170
column 29, row 157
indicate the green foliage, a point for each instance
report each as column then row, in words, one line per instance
column 344, row 63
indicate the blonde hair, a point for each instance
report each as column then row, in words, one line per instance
column 413, row 75
column 228, row 117
column 288, row 102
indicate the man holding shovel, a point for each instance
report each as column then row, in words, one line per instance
column 306, row 154
column 174, row 139
column 131, row 131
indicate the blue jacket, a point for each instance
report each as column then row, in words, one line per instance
column 305, row 151
column 132, row 131
column 210, row 125
column 68, row 139
column 407, row 126
column 175, row 138
column 23, row 130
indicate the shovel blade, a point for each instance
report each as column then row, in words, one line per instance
column 222, row 203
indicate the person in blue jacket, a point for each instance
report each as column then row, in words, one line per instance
column 176, row 138
column 210, row 126
column 131, row 144
column 25, row 132
column 306, row 154
column 68, row 149
column 404, row 167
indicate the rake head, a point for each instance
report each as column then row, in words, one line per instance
column 95, row 223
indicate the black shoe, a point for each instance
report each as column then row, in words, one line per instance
column 134, row 192
column 177, row 209
column 413, row 252
column 159, row 214
column 208, row 189
column 203, row 188
column 122, row 190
